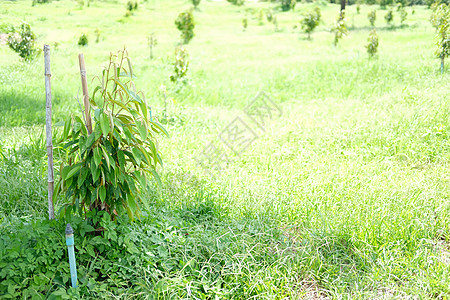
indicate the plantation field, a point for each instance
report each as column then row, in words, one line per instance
column 344, row 194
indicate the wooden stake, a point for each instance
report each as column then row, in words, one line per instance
column 85, row 93
column 48, row 125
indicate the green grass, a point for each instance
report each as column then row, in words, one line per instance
column 345, row 195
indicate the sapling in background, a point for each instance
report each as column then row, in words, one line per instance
column 83, row 40
column 22, row 41
column 389, row 17
column 269, row 15
column 260, row 17
column 195, row 3
column 358, row 8
column 185, row 24
column 288, row 5
column 441, row 20
column 97, row 35
column 236, row 2
column 310, row 21
column 152, row 42
column 180, row 65
column 372, row 45
column 244, row 24
column 372, row 16
column 403, row 15
column 339, row 28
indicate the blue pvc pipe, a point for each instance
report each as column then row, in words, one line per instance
column 70, row 247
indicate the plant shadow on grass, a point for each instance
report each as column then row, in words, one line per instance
column 22, row 179
column 17, row 109
column 384, row 28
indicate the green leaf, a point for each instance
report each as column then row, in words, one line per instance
column 102, row 193
column 83, row 174
column 121, row 159
column 67, row 127
column 73, row 169
column 142, row 130
column 145, row 154
column 137, row 155
column 155, row 174
column 97, row 156
column 105, row 155
column 131, row 201
column 104, row 123
column 160, row 128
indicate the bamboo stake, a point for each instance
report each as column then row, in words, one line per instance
column 48, row 125
column 85, row 93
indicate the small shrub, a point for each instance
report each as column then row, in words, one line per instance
column 195, row 3
column 185, row 23
column 310, row 21
column 23, row 41
column 180, row 66
column 106, row 170
column 403, row 15
column 83, row 40
column 236, row 2
column 358, row 8
column 339, row 28
column 389, row 17
column 372, row 45
column 288, row 5
column 372, row 16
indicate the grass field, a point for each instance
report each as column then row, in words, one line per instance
column 343, row 196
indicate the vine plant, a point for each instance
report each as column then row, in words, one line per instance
column 107, row 169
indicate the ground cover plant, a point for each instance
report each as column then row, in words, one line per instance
column 342, row 195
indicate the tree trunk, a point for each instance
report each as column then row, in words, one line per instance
column 442, row 64
column 342, row 5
